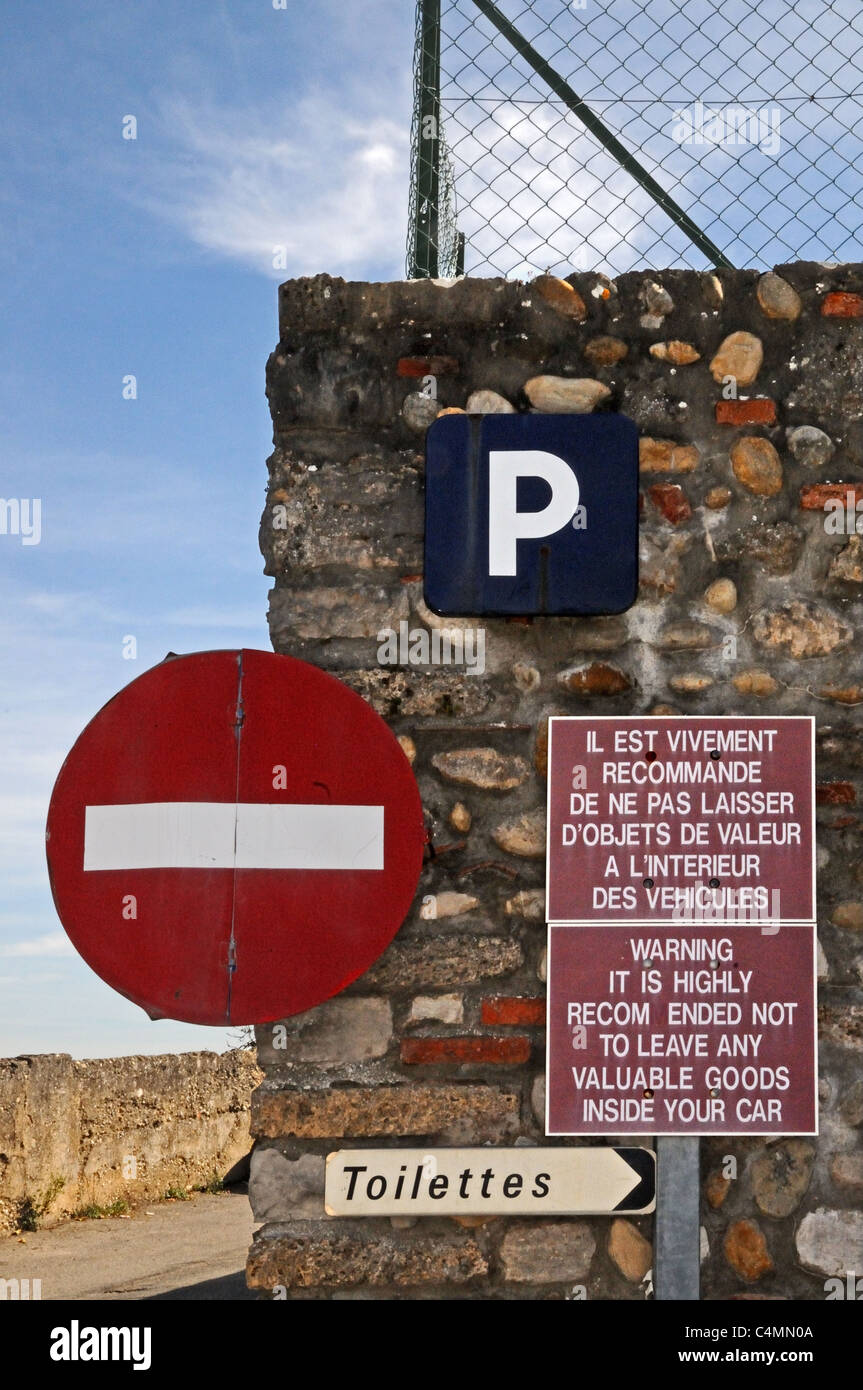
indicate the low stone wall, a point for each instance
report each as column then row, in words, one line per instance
column 121, row 1127
column 747, row 390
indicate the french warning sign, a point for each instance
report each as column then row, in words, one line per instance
column 696, row 1031
column 670, row 820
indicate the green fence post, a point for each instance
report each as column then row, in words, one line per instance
column 427, row 150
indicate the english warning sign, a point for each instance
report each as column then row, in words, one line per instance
column 671, row 820
column 698, row 1031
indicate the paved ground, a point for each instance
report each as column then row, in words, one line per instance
column 170, row 1250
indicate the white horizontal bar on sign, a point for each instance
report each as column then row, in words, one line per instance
column 309, row 837
column 222, row 835
column 160, row 835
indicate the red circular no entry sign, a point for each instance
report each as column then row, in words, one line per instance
column 234, row 838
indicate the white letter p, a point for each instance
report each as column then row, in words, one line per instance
column 506, row 524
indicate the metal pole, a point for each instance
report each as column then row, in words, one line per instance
column 677, row 1250
column 597, row 127
column 427, row 154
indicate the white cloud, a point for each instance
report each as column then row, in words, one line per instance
column 37, row 978
column 55, row 943
column 75, row 605
column 223, row 618
column 333, row 192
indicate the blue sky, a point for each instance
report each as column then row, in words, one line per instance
column 538, row 192
column 260, row 128
column 256, row 128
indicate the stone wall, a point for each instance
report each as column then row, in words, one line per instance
column 748, row 393
column 118, row 1128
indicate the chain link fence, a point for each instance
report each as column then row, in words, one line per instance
column 620, row 134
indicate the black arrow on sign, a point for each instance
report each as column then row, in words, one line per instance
column 643, row 1193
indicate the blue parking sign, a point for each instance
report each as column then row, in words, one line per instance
column 531, row 514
